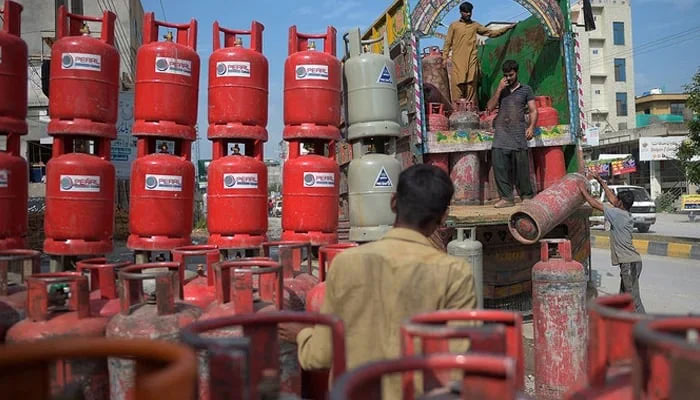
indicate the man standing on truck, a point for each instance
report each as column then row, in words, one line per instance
column 375, row 287
column 461, row 39
column 509, row 147
column 622, row 251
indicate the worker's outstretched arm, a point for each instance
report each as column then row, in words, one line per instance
column 492, row 33
column 608, row 192
column 595, row 203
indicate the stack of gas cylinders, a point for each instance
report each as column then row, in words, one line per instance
column 84, row 90
column 165, row 113
column 13, row 112
column 312, row 79
column 372, row 113
column 237, row 181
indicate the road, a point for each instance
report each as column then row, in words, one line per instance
column 668, row 285
column 672, row 225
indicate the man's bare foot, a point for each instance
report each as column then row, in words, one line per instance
column 504, row 204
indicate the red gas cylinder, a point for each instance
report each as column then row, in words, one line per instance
column 157, row 316
column 164, row 370
column 200, row 290
column 547, row 115
column 500, row 332
column 296, row 282
column 560, row 323
column 534, row 219
column 167, row 81
column 550, row 165
column 162, row 182
column 611, row 352
column 13, row 292
column 237, row 196
column 484, row 377
column 58, row 306
column 311, row 87
column 271, row 358
column 79, row 217
column 104, row 298
column 84, row 77
column 667, row 358
column 326, row 254
column 236, row 72
column 13, row 75
column 465, row 173
column 437, row 121
column 310, row 192
column 13, row 192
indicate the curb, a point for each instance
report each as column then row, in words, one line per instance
column 653, row 247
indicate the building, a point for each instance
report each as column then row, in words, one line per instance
column 39, row 31
column 607, row 65
column 661, row 125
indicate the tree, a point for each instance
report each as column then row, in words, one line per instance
column 691, row 148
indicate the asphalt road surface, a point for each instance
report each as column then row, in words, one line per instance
column 672, row 225
column 668, row 285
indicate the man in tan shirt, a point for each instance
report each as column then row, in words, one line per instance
column 461, row 39
column 375, row 287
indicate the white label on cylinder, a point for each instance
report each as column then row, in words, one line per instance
column 311, row 71
column 240, row 69
column 169, row 65
column 240, row 181
column 383, row 180
column 166, row 183
column 84, row 61
column 319, row 179
column 4, row 178
column 80, row 183
column 385, row 76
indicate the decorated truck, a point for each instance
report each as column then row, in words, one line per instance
column 544, row 46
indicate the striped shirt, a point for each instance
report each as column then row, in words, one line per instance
column 510, row 122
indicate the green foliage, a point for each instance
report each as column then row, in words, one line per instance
column 664, row 202
column 691, row 147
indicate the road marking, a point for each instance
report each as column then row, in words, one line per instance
column 679, row 250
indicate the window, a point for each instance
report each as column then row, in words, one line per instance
column 677, row 108
column 620, row 75
column 595, row 51
column 622, row 126
column 597, row 91
column 619, row 33
column 621, row 103
column 647, row 111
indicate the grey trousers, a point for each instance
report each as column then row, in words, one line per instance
column 629, row 282
column 503, row 163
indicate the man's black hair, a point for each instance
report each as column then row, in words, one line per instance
column 466, row 7
column 626, row 198
column 423, row 194
column 510, row 65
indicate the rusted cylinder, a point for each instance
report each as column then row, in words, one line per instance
column 164, row 370
column 199, row 291
column 560, row 323
column 440, row 160
column 465, row 172
column 104, row 297
column 668, row 353
column 536, row 217
column 297, row 283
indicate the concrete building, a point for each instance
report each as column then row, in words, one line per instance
column 661, row 125
column 39, row 30
column 607, row 64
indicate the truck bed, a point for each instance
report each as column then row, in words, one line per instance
column 479, row 215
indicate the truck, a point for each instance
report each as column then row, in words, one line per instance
column 544, row 46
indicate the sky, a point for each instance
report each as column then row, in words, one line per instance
column 665, row 34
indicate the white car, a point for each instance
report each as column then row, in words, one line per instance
column 643, row 210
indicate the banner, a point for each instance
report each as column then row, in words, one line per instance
column 659, row 148
column 124, row 147
column 600, row 167
column 623, row 166
column 591, row 136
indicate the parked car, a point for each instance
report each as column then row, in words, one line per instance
column 643, row 210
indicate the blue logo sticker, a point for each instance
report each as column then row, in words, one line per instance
column 383, row 179
column 385, row 76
